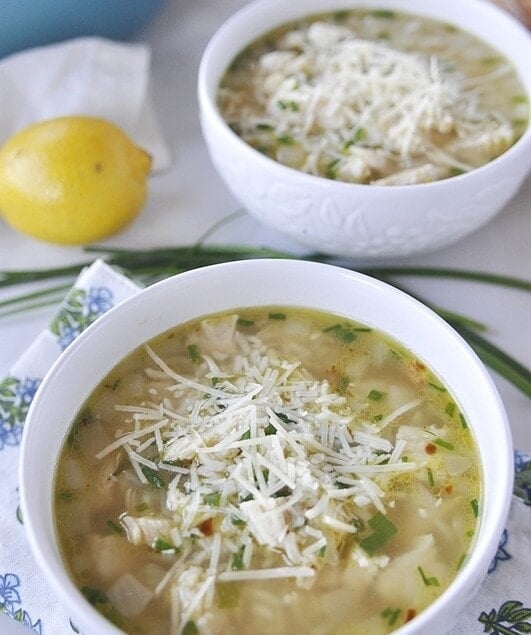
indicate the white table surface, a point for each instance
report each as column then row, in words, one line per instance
column 189, row 198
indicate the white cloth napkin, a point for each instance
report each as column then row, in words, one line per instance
column 85, row 76
column 501, row 607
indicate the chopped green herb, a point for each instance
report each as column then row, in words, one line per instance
column 239, row 522
column 116, row 527
column 377, row 418
column 376, row 395
column 285, row 140
column 464, row 424
column 455, row 171
column 428, row 581
column 343, row 333
column 212, row 499
column 443, row 444
column 153, row 477
column 243, row 322
column 246, row 435
column 450, row 408
column 322, row 551
column 190, row 628
column 164, row 546
column 264, row 126
column 281, row 493
column 359, row 135
column 331, row 169
column 383, row 530
column 237, row 560
column 343, row 383
column 277, row 316
column 390, row 615
column 270, row 429
column 341, row 485
column 475, row 506
column 288, row 105
column 383, row 13
column 284, row 418
column 431, row 481
column 194, row 354
column 244, row 499
column 437, row 387
column 339, row 16
column 115, row 384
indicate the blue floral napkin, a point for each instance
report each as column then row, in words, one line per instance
column 501, row 607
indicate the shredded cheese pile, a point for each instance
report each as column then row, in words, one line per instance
column 361, row 111
column 259, row 456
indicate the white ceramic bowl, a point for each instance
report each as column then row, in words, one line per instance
column 350, row 219
column 254, row 283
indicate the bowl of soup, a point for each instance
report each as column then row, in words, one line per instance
column 266, row 446
column 365, row 128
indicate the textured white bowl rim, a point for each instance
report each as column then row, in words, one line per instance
column 250, row 283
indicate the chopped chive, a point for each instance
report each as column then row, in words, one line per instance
column 428, row 581
column 359, row 135
column 237, row 560
column 444, row 444
column 116, row 527
column 163, row 546
column 194, row 354
column 283, row 492
column 331, row 169
column 430, row 477
column 212, row 499
column 450, row 409
column 239, row 522
column 437, row 387
column 288, row 105
column 264, row 126
column 246, row 435
column 322, row 551
column 464, row 424
column 455, row 171
column 270, row 429
column 284, row 418
column 153, row 477
column 244, row 322
column 390, row 615
column 286, row 140
column 343, row 333
column 376, row 395
column 383, row 530
column 277, row 316
column 475, row 506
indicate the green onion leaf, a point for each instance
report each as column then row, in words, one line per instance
column 277, row 316
column 237, row 560
column 444, row 444
column 212, row 499
column 194, row 355
column 383, row 530
column 376, row 395
column 428, row 581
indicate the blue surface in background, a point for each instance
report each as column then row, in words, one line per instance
column 28, row 23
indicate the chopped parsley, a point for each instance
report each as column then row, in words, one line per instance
column 376, row 395
column 194, row 354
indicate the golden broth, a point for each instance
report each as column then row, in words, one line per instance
column 269, row 470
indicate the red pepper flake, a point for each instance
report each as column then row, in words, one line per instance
column 430, row 448
column 449, row 489
column 410, row 614
column 206, row 527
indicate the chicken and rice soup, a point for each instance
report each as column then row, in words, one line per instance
column 268, row 470
column 374, row 97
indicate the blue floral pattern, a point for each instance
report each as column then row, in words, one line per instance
column 10, row 602
column 502, row 553
column 79, row 310
column 16, row 396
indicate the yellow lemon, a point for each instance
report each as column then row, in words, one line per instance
column 72, row 180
